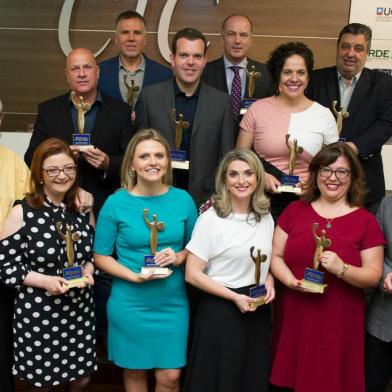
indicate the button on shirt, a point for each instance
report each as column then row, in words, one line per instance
column 230, row 74
column 346, row 90
column 137, row 76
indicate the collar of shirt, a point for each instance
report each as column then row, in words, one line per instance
column 346, row 90
column 141, row 67
column 98, row 98
column 230, row 74
column 178, row 92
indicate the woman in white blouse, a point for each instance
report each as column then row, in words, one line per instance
column 229, row 349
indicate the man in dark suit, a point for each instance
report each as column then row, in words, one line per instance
column 367, row 96
column 108, row 122
column 131, row 63
column 236, row 38
column 210, row 131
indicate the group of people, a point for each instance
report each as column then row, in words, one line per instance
column 131, row 108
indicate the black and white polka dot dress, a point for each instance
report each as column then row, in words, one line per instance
column 54, row 336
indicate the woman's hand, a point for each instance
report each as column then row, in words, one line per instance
column 387, row 285
column 295, row 284
column 55, row 285
column 88, row 277
column 141, row 278
column 270, row 289
column 331, row 262
column 243, row 303
column 166, row 257
column 271, row 183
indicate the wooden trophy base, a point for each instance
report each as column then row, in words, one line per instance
column 79, row 282
column 155, row 270
column 313, row 287
column 260, row 301
column 289, row 189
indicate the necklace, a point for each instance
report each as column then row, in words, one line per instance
column 328, row 225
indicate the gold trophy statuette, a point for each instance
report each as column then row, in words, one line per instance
column 154, row 226
column 258, row 291
column 82, row 108
column 340, row 115
column 289, row 181
column 131, row 90
column 178, row 156
column 313, row 279
column 73, row 274
column 252, row 75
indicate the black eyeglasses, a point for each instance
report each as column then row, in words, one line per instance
column 55, row 171
column 327, row 172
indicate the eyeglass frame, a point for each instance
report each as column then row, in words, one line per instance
column 342, row 170
column 72, row 167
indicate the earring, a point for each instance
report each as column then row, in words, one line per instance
column 133, row 173
column 41, row 182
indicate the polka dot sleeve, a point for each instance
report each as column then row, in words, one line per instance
column 13, row 268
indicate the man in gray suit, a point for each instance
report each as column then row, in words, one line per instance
column 209, row 129
column 236, row 35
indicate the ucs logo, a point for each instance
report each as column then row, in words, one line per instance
column 383, row 11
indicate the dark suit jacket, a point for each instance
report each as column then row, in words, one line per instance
column 215, row 75
column 111, row 133
column 369, row 124
column 108, row 76
column 212, row 132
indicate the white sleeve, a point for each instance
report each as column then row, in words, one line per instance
column 330, row 128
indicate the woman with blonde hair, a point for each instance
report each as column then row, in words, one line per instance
column 230, row 345
column 147, row 313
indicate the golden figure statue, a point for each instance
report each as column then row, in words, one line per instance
column 252, row 75
column 294, row 151
column 340, row 116
column 180, row 125
column 69, row 238
column 258, row 259
column 154, row 227
column 82, row 108
column 132, row 89
column 321, row 242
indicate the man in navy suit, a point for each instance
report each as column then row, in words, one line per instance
column 131, row 63
column 367, row 96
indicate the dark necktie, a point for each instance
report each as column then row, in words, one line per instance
column 236, row 93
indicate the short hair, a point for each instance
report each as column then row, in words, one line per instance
column 129, row 179
column 356, row 29
column 36, row 197
column 327, row 155
column 259, row 204
column 129, row 15
column 190, row 34
column 242, row 16
column 279, row 55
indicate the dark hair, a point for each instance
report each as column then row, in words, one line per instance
column 279, row 55
column 356, row 29
column 129, row 15
column 53, row 146
column 327, row 155
column 190, row 34
column 242, row 16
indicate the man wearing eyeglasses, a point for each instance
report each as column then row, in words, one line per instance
column 367, row 97
column 107, row 122
column 228, row 73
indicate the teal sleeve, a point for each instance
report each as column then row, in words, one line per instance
column 191, row 219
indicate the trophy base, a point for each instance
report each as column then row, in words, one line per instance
column 313, row 287
column 260, row 301
column 155, row 270
column 182, row 165
column 79, row 282
column 290, row 189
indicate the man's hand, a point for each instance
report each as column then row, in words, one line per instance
column 96, row 158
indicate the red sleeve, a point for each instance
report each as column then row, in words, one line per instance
column 287, row 217
column 372, row 234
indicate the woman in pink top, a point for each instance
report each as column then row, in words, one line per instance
column 268, row 121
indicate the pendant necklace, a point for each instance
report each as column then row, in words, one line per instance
column 328, row 225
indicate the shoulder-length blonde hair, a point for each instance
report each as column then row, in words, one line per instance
column 259, row 203
column 129, row 178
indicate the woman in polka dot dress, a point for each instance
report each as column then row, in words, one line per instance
column 54, row 331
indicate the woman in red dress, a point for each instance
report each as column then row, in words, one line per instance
column 318, row 339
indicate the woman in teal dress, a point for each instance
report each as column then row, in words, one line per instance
column 147, row 312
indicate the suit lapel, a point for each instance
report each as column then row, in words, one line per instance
column 360, row 91
column 221, row 75
column 332, row 87
column 66, row 119
column 202, row 106
column 98, row 123
column 169, row 103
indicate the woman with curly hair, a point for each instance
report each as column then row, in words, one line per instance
column 273, row 124
column 229, row 350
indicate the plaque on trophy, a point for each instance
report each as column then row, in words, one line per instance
column 258, row 291
column 80, row 139
column 132, row 88
column 290, row 182
column 252, row 75
column 178, row 156
column 313, row 278
column 73, row 274
column 149, row 260
column 340, row 115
